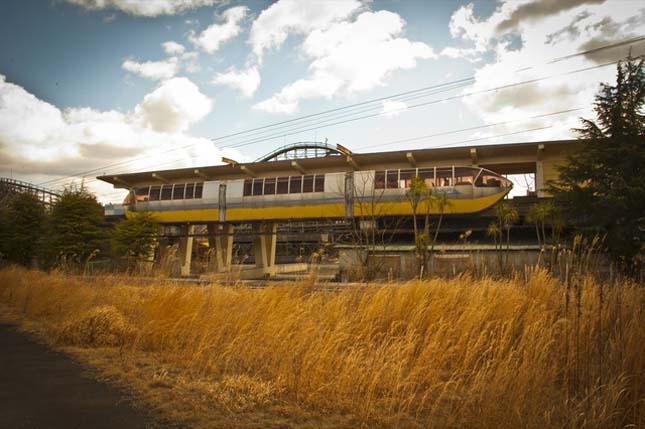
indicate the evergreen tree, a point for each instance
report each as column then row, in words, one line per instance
column 134, row 238
column 22, row 224
column 603, row 186
column 77, row 227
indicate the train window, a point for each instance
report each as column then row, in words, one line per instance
column 295, row 184
column 444, row 176
column 464, row 176
column 257, row 186
column 269, row 186
column 166, row 192
column 406, row 177
column 392, row 179
column 154, row 193
column 319, row 183
column 491, row 180
column 248, row 187
column 178, row 192
column 141, row 194
column 427, row 174
column 379, row 180
column 129, row 199
column 199, row 189
column 308, row 183
column 190, row 189
column 283, row 185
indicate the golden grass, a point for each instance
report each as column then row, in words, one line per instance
column 438, row 353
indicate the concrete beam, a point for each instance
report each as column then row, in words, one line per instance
column 159, row 177
column 411, row 160
column 540, row 152
column 343, row 149
column 122, row 182
column 201, row 174
column 474, row 159
column 229, row 161
column 298, row 167
column 352, row 162
column 248, row 171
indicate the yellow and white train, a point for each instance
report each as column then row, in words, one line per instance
column 322, row 195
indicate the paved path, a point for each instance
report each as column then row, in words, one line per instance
column 41, row 388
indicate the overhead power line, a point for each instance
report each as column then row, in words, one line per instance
column 412, row 94
column 445, row 133
column 427, row 103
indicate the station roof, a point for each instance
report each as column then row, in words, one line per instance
column 506, row 158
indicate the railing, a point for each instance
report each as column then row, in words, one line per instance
column 10, row 186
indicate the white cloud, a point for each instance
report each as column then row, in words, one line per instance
column 273, row 105
column 215, row 35
column 273, row 26
column 154, row 70
column 173, row 48
column 149, row 8
column 246, row 81
column 469, row 54
column 174, row 106
column 27, row 123
column 561, row 31
column 393, row 108
column 350, row 57
column 39, row 141
column 190, row 61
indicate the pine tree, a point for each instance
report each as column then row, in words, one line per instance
column 134, row 238
column 76, row 229
column 22, row 224
column 603, row 186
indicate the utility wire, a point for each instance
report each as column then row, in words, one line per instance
column 299, row 130
column 444, row 133
column 417, row 92
column 413, row 106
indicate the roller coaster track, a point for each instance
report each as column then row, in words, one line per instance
column 10, row 187
column 301, row 150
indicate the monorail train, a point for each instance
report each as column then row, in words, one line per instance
column 315, row 196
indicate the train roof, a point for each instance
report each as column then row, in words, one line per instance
column 509, row 158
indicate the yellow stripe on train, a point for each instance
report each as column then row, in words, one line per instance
column 313, row 211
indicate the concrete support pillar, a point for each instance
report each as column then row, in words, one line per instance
column 264, row 245
column 539, row 172
column 220, row 241
column 539, row 178
column 186, row 249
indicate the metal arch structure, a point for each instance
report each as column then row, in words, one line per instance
column 301, row 150
column 10, row 187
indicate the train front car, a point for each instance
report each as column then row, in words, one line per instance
column 453, row 190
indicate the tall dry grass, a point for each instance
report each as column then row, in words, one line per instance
column 439, row 353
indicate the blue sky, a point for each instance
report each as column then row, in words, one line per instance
column 109, row 86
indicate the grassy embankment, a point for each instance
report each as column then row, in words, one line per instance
column 441, row 353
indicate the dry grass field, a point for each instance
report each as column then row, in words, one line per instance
column 525, row 352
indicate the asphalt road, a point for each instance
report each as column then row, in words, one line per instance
column 41, row 388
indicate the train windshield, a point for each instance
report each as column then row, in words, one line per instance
column 488, row 179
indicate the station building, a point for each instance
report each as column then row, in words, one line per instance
column 316, row 188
